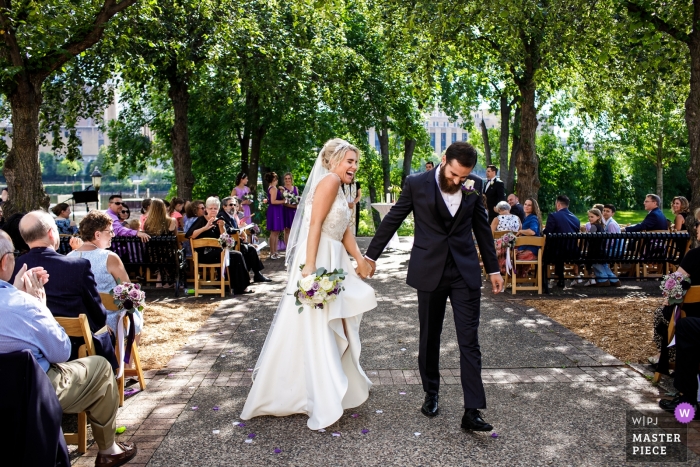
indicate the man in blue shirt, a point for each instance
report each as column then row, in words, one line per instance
column 655, row 219
column 86, row 384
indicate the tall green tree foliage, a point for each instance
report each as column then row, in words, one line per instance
column 38, row 39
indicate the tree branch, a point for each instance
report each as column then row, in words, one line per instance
column 13, row 51
column 83, row 41
column 657, row 22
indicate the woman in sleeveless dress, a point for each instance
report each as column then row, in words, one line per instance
column 310, row 362
column 290, row 210
column 240, row 191
column 275, row 216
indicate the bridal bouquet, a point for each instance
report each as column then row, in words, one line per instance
column 319, row 289
column 227, row 242
column 129, row 296
column 673, row 287
column 291, row 198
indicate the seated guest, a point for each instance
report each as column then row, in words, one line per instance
column 611, row 225
column 228, row 215
column 11, row 226
column 654, row 220
column 532, row 227
column 587, row 228
column 690, row 265
column 175, row 211
column 604, row 277
column 107, row 267
column 124, row 216
column 86, row 384
column 145, row 205
column 64, row 224
column 504, row 221
column 687, row 339
column 208, row 226
column 515, row 207
column 561, row 221
column 114, row 211
column 194, row 210
column 158, row 222
column 680, row 208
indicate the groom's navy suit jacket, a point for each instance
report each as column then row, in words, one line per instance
column 433, row 240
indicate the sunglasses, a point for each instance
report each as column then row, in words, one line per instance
column 118, row 203
column 202, row 207
column 232, row 205
column 126, row 212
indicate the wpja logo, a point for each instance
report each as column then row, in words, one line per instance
column 655, row 439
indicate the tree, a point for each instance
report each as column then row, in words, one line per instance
column 38, row 40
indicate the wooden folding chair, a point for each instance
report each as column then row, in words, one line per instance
column 691, row 296
column 110, row 305
column 79, row 327
column 528, row 241
column 201, row 281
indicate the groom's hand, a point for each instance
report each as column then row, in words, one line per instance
column 373, row 264
column 496, row 283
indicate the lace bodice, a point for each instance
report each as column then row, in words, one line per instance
column 338, row 217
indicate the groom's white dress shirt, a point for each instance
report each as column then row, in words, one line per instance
column 451, row 200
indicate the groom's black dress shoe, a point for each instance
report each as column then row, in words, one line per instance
column 472, row 421
column 430, row 406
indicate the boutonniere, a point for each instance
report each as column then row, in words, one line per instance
column 468, row 188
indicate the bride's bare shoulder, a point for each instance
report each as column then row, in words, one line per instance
column 329, row 184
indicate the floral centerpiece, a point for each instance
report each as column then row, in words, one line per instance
column 290, row 197
column 507, row 240
column 129, row 297
column 318, row 289
column 227, row 242
column 674, row 287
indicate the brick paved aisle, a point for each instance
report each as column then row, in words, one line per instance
column 554, row 399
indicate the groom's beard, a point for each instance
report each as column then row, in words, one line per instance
column 446, row 185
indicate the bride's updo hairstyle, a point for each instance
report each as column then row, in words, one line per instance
column 334, row 151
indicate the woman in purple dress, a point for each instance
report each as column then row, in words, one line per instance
column 275, row 216
column 240, row 191
column 290, row 210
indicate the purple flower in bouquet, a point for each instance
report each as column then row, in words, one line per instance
column 134, row 294
column 670, row 283
column 118, row 290
column 315, row 286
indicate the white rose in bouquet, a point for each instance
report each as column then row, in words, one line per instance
column 326, row 284
column 307, row 281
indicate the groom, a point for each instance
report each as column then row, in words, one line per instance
column 447, row 207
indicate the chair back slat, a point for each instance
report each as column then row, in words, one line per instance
column 692, row 295
column 78, row 327
column 529, row 241
column 108, row 302
column 204, row 242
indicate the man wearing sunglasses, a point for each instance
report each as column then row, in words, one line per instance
column 227, row 213
column 115, row 209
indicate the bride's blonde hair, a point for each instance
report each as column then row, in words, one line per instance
column 334, row 151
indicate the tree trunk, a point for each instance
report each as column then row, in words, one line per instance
column 22, row 169
column 660, row 170
column 383, row 136
column 179, row 137
column 526, row 160
column 510, row 184
column 503, row 147
column 251, row 102
column 255, row 149
column 692, row 119
column 409, row 145
column 487, row 145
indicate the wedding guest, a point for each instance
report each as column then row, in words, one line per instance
column 515, row 207
column 494, row 189
column 604, row 277
column 83, row 385
column 587, row 228
column 193, row 211
column 429, row 166
column 124, row 216
column 106, row 266
column 11, row 226
column 4, row 195
column 561, row 221
column 115, row 208
column 654, row 219
column 680, row 208
column 289, row 210
column 275, row 217
column 145, row 206
column 229, row 207
column 158, row 222
column 505, row 221
column 240, row 191
column 687, row 337
column 175, row 211
column 532, row 227
column 611, row 225
column 209, row 226
column 63, row 222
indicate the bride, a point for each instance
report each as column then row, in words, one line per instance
column 310, row 362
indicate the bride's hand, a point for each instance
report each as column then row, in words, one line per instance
column 308, row 270
column 363, row 269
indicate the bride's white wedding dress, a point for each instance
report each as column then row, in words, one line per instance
column 310, row 362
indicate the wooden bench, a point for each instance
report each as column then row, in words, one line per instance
column 157, row 253
column 636, row 248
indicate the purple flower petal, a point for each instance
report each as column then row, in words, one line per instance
column 336, row 434
column 195, row 407
column 354, row 415
column 277, row 451
column 494, row 435
column 365, row 431
column 251, row 435
column 402, row 393
column 215, row 408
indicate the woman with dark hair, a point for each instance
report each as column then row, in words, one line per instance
column 124, row 215
column 192, row 212
column 532, row 227
column 289, row 210
column 63, row 222
column 175, row 211
column 275, row 216
column 240, row 191
column 145, row 204
column 680, row 208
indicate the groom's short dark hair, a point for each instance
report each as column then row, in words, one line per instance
column 463, row 152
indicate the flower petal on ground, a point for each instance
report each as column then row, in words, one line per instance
column 365, row 431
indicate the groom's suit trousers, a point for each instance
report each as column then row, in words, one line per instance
column 466, row 309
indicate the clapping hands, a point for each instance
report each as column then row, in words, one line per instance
column 32, row 281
